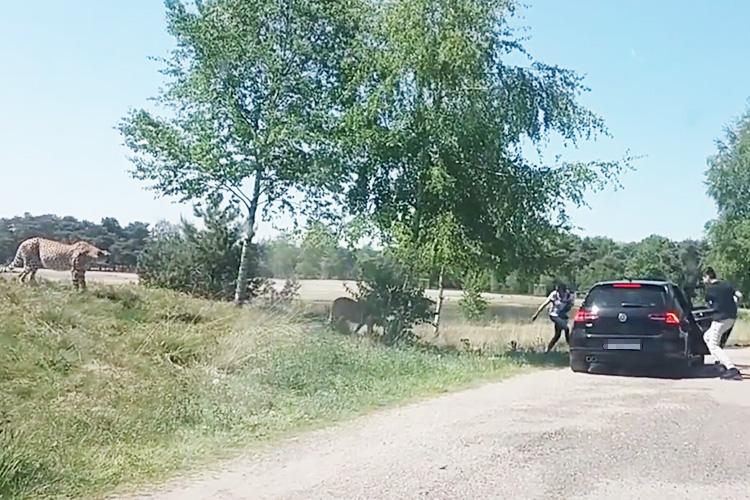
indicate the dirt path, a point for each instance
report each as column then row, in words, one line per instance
column 549, row 434
column 310, row 290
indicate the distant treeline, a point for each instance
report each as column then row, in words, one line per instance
column 317, row 254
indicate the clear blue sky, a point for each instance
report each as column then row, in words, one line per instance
column 666, row 75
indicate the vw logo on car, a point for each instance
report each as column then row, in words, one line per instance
column 622, row 317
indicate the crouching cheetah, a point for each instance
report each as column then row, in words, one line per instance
column 38, row 253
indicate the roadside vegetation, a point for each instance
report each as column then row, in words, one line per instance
column 124, row 385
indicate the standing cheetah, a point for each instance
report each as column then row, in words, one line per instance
column 38, row 253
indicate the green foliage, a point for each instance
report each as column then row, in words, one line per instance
column 472, row 304
column 321, row 256
column 730, row 250
column 317, row 256
column 655, row 257
column 279, row 257
column 393, row 296
column 252, row 97
column 581, row 262
column 728, row 175
column 202, row 262
column 438, row 121
column 124, row 243
column 728, row 180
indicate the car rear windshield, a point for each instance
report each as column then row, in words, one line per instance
column 645, row 296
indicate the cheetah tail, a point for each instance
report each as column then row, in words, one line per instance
column 16, row 262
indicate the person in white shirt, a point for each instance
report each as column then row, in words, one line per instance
column 559, row 304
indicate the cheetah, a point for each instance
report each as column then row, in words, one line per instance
column 39, row 253
column 344, row 308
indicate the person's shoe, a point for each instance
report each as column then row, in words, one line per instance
column 731, row 374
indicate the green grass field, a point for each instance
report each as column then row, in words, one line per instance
column 122, row 385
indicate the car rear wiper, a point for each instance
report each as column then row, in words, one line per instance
column 634, row 304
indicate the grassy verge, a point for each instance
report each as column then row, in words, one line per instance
column 122, row 385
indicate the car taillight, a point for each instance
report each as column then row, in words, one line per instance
column 583, row 316
column 626, row 285
column 669, row 318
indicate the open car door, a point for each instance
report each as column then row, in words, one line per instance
column 698, row 320
column 703, row 316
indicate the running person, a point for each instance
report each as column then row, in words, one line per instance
column 723, row 298
column 560, row 302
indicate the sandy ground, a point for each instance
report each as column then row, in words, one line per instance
column 549, row 435
column 310, row 290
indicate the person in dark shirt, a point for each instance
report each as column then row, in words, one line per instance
column 723, row 298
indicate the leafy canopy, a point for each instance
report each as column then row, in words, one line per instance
column 436, row 129
column 250, row 94
column 728, row 182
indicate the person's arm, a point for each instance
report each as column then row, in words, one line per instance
column 542, row 306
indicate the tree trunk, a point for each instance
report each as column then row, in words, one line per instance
column 246, row 258
column 439, row 305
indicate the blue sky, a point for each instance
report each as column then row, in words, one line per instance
column 666, row 76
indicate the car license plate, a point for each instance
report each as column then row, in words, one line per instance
column 623, row 345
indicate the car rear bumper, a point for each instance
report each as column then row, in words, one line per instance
column 654, row 349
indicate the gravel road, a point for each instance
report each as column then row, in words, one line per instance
column 547, row 435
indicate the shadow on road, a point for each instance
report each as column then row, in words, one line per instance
column 535, row 358
column 745, row 369
column 705, row 371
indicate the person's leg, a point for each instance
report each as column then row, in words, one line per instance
column 559, row 328
column 712, row 338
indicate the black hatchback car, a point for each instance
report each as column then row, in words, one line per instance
column 638, row 323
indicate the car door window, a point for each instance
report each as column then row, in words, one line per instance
column 682, row 300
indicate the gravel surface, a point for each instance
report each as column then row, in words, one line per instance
column 549, row 435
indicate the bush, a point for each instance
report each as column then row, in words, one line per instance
column 472, row 304
column 394, row 297
column 201, row 262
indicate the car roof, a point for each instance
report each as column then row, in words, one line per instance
column 640, row 282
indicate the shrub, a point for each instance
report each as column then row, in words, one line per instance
column 202, row 262
column 391, row 293
column 472, row 304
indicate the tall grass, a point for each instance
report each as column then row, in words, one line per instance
column 117, row 386
column 505, row 325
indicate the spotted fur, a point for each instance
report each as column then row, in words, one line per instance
column 39, row 253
